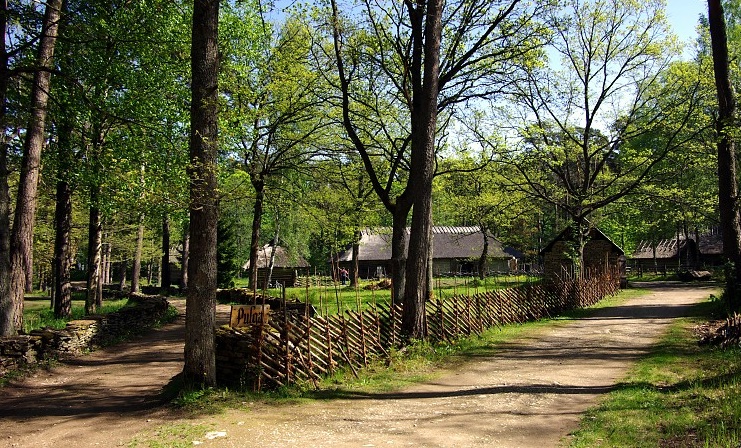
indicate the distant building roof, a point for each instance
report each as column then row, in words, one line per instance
column 447, row 242
column 711, row 243
column 283, row 259
column 665, row 249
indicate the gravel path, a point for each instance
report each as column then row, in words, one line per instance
column 530, row 394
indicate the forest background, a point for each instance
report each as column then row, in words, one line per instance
column 577, row 112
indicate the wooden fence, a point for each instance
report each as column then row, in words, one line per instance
column 292, row 348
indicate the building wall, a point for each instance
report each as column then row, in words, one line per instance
column 441, row 266
column 597, row 255
column 285, row 276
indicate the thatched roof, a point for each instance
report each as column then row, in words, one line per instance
column 665, row 249
column 447, row 243
column 711, row 243
column 283, row 259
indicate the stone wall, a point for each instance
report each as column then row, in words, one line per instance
column 237, row 357
column 79, row 336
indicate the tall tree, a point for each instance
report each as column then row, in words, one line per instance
column 200, row 321
column 137, row 265
column 126, row 67
column 580, row 114
column 21, row 244
column 396, row 56
column 165, row 264
column 7, row 307
column 727, row 170
column 426, row 21
column 275, row 116
column 471, row 195
column 63, row 222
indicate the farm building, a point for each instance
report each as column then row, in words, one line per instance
column 455, row 250
column 665, row 255
column 710, row 245
column 599, row 251
column 286, row 267
column 679, row 253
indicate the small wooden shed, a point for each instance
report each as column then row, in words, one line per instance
column 600, row 252
column 286, row 266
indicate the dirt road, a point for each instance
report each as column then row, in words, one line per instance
column 530, row 394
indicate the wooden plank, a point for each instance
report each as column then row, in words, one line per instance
column 248, row 315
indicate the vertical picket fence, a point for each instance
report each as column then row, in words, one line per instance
column 294, row 348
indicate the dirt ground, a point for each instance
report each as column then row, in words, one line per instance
column 530, row 394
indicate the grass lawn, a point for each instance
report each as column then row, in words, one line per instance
column 682, row 395
column 329, row 299
column 37, row 312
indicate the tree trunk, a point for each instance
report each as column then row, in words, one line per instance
column 165, row 269
column 426, row 29
column 727, row 183
column 95, row 233
column 697, row 260
column 107, row 262
column 399, row 248
column 259, row 186
column 21, row 243
column 484, row 252
column 200, row 321
column 354, row 266
column 122, row 275
column 62, row 266
column 7, row 310
column 137, row 267
column 159, row 273
column 271, row 263
column 186, row 254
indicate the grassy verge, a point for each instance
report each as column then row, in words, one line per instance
column 682, row 395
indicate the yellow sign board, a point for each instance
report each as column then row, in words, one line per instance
column 244, row 315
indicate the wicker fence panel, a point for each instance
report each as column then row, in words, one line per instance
column 294, row 348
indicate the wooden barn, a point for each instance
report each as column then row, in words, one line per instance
column 710, row 245
column 599, row 251
column 286, row 267
column 679, row 253
column 665, row 255
column 455, row 251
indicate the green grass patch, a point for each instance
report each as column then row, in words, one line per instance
column 682, row 395
column 330, row 299
column 37, row 313
column 648, row 276
column 178, row 435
